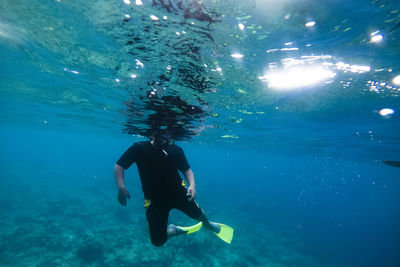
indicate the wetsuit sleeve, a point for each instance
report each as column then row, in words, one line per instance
column 182, row 163
column 129, row 157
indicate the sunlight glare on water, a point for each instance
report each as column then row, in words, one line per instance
column 222, row 57
column 297, row 78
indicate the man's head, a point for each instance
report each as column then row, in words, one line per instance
column 162, row 141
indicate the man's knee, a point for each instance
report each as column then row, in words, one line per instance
column 202, row 216
column 158, row 242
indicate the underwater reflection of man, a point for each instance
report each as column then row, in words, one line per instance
column 158, row 162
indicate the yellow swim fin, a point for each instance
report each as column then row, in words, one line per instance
column 226, row 233
column 190, row 229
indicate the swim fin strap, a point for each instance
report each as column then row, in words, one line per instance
column 226, row 233
column 191, row 229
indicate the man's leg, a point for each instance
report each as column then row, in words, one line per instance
column 193, row 210
column 207, row 224
column 157, row 218
column 172, row 231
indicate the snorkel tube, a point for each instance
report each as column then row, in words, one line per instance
column 162, row 142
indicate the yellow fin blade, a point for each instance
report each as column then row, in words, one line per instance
column 191, row 229
column 226, row 233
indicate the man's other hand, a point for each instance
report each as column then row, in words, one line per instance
column 191, row 193
column 123, row 194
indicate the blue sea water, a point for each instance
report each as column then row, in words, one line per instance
column 285, row 111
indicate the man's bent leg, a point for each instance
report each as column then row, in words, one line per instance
column 207, row 224
column 172, row 231
column 193, row 210
column 157, row 219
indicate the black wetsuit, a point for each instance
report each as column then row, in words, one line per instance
column 161, row 184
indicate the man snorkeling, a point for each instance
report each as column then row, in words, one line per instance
column 158, row 162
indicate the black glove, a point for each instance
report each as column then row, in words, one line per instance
column 122, row 195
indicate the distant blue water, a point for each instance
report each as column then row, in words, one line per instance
column 342, row 212
column 296, row 170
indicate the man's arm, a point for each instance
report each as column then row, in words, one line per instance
column 119, row 176
column 189, row 176
column 123, row 193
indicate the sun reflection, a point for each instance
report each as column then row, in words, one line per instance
column 219, row 69
column 382, row 87
column 376, row 37
column 352, row 68
column 293, row 73
column 153, row 17
column 127, row 2
column 396, row 80
column 283, row 49
column 237, row 55
column 139, row 63
column 310, row 24
column 297, row 77
column 307, row 71
column 290, row 49
column 72, row 71
column 139, row 2
column 386, row 112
